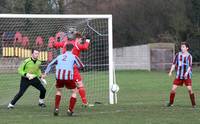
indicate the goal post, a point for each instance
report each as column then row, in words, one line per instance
column 21, row 32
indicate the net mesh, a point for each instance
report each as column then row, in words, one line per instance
column 20, row 35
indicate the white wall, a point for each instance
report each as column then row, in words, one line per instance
column 133, row 57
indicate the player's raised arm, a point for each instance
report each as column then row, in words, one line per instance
column 58, row 44
column 85, row 45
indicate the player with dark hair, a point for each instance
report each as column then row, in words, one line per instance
column 65, row 77
column 76, row 39
column 183, row 65
column 30, row 73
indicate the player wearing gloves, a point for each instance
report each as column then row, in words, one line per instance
column 80, row 44
column 30, row 73
column 65, row 77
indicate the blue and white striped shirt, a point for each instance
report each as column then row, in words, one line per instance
column 64, row 65
column 182, row 64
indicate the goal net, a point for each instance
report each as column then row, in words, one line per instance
column 21, row 33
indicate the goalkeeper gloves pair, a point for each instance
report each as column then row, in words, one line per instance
column 30, row 76
column 78, row 35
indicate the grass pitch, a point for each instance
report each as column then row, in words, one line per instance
column 141, row 100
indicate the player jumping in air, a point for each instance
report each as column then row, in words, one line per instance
column 65, row 77
column 183, row 65
column 76, row 39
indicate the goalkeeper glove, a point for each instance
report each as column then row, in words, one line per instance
column 43, row 81
column 87, row 37
column 30, row 76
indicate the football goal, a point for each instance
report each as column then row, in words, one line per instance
column 20, row 33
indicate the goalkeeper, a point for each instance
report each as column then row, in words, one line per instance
column 76, row 39
column 30, row 73
column 65, row 77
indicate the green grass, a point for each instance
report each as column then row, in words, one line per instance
column 141, row 100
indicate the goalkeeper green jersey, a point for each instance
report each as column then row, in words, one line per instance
column 30, row 66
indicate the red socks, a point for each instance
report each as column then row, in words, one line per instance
column 72, row 103
column 171, row 100
column 57, row 101
column 83, row 95
column 192, row 98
